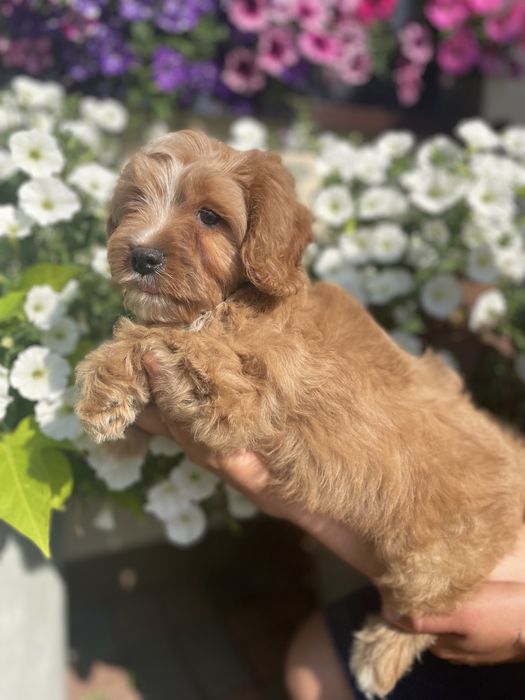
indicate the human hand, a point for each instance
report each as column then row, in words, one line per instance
column 489, row 627
column 247, row 472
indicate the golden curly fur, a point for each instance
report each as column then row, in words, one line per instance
column 255, row 356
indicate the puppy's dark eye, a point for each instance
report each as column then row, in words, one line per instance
column 208, row 217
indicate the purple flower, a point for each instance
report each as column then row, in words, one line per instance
column 169, row 68
column 277, row 50
column 320, row 47
column 447, row 14
column 459, row 53
column 248, row 15
column 88, row 9
column 508, row 26
column 416, row 43
column 203, row 76
column 109, row 47
column 241, row 73
column 136, row 10
column 177, row 16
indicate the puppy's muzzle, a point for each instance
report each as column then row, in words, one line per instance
column 146, row 261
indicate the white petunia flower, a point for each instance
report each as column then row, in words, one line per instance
column 388, row 243
column 69, row 291
column 510, row 263
column 99, row 261
column 107, row 114
column 5, row 399
column 371, row 165
column 382, row 202
column 395, row 144
column 439, row 152
column 14, row 223
column 84, row 132
column 247, row 133
column 63, row 336
column 117, row 473
column 331, row 266
column 355, row 245
column 10, row 116
column 36, row 152
column 195, row 481
column 433, row 191
column 36, row 94
column 41, row 121
column 408, row 342
column 7, row 165
column 38, row 373
column 306, row 172
column 436, row 232
column 105, row 519
column 161, row 445
column 513, row 140
column 337, row 156
column 95, row 180
column 481, row 265
column 477, row 134
column 187, row 526
column 384, row 285
column 48, row 201
column 492, row 199
column 487, row 310
column 421, row 254
column 334, row 205
column 56, row 417
column 441, row 296
column 519, row 366
column 43, row 306
column 238, row 505
column 165, row 499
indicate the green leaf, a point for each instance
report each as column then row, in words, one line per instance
column 82, row 349
column 10, row 304
column 46, row 273
column 35, row 479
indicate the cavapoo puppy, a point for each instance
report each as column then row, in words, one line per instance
column 206, row 243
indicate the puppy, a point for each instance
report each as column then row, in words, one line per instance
column 206, row 244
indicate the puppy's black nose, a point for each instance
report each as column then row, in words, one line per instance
column 145, row 261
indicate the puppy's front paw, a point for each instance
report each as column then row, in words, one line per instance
column 107, row 417
column 381, row 655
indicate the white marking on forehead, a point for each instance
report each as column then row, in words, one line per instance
column 168, row 176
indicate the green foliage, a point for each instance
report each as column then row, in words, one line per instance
column 55, row 276
column 36, row 479
column 11, row 305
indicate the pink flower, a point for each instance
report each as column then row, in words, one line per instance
column 508, row 26
column 487, row 7
column 355, row 68
column 351, row 33
column 281, row 11
column 248, row 15
column 409, row 83
column 319, row 47
column 277, row 50
column 447, row 14
column 241, row 72
column 311, row 15
column 493, row 62
column 369, row 11
column 459, row 53
column 416, row 43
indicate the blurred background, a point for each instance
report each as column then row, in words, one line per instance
column 402, row 122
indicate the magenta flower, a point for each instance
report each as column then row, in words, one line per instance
column 351, row 33
column 241, row 73
column 355, row 67
column 320, row 47
column 347, row 8
column 447, row 14
column 416, row 43
column 277, row 51
column 248, row 15
column 281, row 11
column 508, row 26
column 369, row 11
column 487, row 7
column 459, row 53
column 310, row 15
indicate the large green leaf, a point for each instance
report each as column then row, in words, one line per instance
column 10, row 304
column 47, row 273
column 35, row 479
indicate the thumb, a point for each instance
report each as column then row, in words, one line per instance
column 151, row 365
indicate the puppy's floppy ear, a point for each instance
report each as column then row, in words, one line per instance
column 279, row 227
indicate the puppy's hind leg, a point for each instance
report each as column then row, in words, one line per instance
column 382, row 654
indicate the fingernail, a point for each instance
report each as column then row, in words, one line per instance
column 151, row 364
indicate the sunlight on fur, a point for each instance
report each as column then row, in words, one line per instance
column 349, row 424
